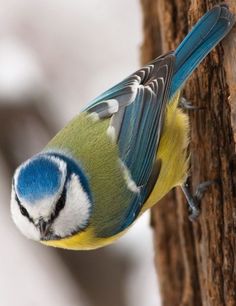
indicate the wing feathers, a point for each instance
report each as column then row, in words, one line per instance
column 136, row 109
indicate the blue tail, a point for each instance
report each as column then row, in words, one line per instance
column 204, row 36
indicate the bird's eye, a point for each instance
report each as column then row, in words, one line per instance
column 24, row 211
column 60, row 204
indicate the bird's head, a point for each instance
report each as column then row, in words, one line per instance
column 50, row 197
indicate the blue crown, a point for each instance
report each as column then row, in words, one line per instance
column 38, row 179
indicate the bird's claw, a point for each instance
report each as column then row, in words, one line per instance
column 187, row 105
column 194, row 210
column 194, row 200
column 202, row 188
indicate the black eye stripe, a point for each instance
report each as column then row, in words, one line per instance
column 23, row 210
column 60, row 205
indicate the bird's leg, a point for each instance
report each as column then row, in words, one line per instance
column 193, row 200
column 187, row 105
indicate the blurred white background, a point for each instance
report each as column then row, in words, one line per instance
column 55, row 56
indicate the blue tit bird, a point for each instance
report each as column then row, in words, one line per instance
column 119, row 156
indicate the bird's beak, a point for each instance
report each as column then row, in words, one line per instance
column 43, row 227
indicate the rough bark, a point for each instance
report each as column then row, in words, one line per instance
column 196, row 261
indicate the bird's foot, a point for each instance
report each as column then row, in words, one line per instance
column 194, row 200
column 187, row 105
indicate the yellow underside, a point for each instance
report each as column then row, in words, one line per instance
column 174, row 168
column 173, row 153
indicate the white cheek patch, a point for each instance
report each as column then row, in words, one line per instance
column 76, row 212
column 24, row 225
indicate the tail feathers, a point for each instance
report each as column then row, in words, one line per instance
column 204, row 36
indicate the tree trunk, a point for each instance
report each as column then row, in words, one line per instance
column 196, row 262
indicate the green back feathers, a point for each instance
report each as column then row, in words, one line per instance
column 87, row 141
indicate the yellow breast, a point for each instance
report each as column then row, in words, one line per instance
column 86, row 240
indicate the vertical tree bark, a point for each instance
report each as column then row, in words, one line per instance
column 196, row 262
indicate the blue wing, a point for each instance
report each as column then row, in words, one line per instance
column 136, row 109
column 136, row 106
column 204, row 36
